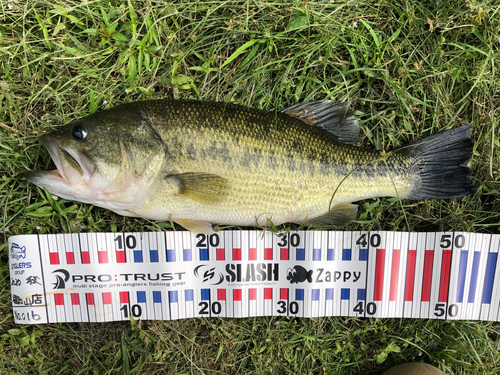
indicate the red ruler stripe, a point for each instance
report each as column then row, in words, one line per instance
column 90, row 298
column 237, row 294
column 445, row 276
column 252, row 294
column 283, row 293
column 236, row 254
column 85, row 257
column 54, row 258
column 252, row 254
column 427, row 278
column 268, row 293
column 268, row 253
column 410, row 275
column 106, row 298
column 75, row 299
column 284, row 253
column 393, row 294
column 221, row 294
column 70, row 257
column 59, row 298
column 120, row 256
column 379, row 275
column 103, row 256
column 220, row 254
column 124, row 297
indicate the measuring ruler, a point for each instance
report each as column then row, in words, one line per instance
column 103, row 277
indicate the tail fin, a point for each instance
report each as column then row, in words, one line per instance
column 439, row 165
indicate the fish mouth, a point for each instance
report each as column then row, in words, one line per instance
column 74, row 177
column 72, row 167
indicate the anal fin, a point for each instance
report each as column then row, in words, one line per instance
column 340, row 215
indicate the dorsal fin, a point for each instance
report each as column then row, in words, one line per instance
column 334, row 117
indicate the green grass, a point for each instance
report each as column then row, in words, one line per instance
column 408, row 68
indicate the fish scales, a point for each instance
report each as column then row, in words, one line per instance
column 202, row 163
column 274, row 163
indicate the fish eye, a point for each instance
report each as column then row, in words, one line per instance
column 79, row 132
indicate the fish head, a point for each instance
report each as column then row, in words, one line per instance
column 109, row 159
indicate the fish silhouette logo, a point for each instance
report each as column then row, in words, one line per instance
column 17, row 252
column 208, row 274
column 61, row 279
column 299, row 274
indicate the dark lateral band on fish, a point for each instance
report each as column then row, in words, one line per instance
column 202, row 163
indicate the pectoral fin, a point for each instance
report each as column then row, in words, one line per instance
column 204, row 188
column 340, row 215
column 197, row 226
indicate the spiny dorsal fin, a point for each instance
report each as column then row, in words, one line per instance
column 205, row 188
column 334, row 117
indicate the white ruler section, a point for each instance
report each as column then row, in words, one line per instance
column 102, row 277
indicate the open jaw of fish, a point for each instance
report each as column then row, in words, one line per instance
column 74, row 178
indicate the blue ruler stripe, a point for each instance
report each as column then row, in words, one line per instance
column 346, row 254
column 345, row 294
column 315, row 294
column 363, row 254
column 330, row 254
column 172, row 296
column 329, row 294
column 187, row 255
column 301, row 254
column 205, row 294
column 361, row 294
column 138, row 256
column 462, row 270
column 157, row 297
column 170, row 255
column 204, row 254
column 490, row 277
column 473, row 279
column 316, row 254
column 141, row 297
column 299, row 294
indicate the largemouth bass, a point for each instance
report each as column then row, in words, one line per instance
column 203, row 163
